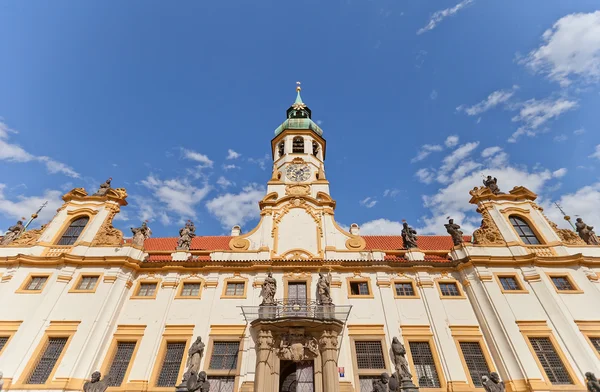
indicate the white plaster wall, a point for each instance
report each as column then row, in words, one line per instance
column 297, row 230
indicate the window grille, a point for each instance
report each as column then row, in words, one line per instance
column 43, row 368
column 524, row 231
column 369, row 355
column 475, row 361
column 422, row 357
column 297, row 292
column 120, row 363
column 235, row 289
column 562, row 283
column 366, row 382
column 87, row 283
column 404, row 289
column 298, row 145
column 190, row 290
column 224, row 355
column 3, row 341
column 595, row 343
column 37, row 283
column 146, row 290
column 73, row 231
column 169, row 371
column 449, row 290
column 509, row 283
column 553, row 366
column 359, row 288
column 221, row 384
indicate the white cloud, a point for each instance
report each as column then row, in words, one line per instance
column 451, row 141
column 424, row 175
column 579, row 131
column 534, row 113
column 232, row 154
column 458, row 155
column 23, row 206
column 596, row 153
column 224, row 182
column 561, row 138
column 177, row 195
column 391, row 193
column 488, row 152
column 559, row 173
column 426, row 149
column 440, row 15
column 368, row 202
column 261, row 162
column 571, row 48
column 494, row 99
column 196, row 156
column 236, row 209
column 230, row 167
column 582, row 203
column 381, row 227
column 433, row 95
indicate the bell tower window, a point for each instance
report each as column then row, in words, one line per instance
column 73, row 231
column 281, row 149
column 315, row 148
column 523, row 230
column 298, row 145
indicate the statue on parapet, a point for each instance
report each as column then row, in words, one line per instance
column 382, row 384
column 269, row 288
column 493, row 383
column 95, row 384
column 586, row 232
column 492, row 184
column 324, row 289
column 104, row 187
column 454, row 230
column 195, row 354
column 409, row 236
column 592, row 382
column 185, row 236
column 141, row 234
column 13, row 233
column 400, row 362
column 198, row 382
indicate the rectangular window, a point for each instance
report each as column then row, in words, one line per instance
column 87, row 283
column 475, row 361
column 221, row 384
column 366, row 383
column 224, row 356
column 562, row 283
column 3, row 341
column 509, row 283
column 36, row 283
column 169, row 371
column 45, row 365
column 120, row 363
column 359, row 288
column 449, row 289
column 146, row 290
column 404, row 289
column 369, row 355
column 235, row 289
column 422, row 357
column 190, row 290
column 553, row 366
column 595, row 342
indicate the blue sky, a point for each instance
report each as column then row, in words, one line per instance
column 178, row 101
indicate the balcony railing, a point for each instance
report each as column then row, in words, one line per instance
column 294, row 308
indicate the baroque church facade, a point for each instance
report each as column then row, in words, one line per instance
column 298, row 303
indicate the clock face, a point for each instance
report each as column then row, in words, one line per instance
column 298, row 172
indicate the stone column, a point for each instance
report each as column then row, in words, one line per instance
column 264, row 352
column 328, row 344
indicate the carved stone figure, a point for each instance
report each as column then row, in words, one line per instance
column 488, row 233
column 95, row 384
column 586, row 232
column 195, row 353
column 324, row 289
column 296, row 346
column 400, row 362
column 382, row 385
column 492, row 383
column 140, row 234
column 492, row 185
column 185, row 236
column 592, row 382
column 104, row 187
column 30, row 237
column 454, row 230
column 409, row 236
column 12, row 233
column 198, row 382
column 269, row 288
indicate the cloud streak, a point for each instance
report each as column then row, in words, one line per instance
column 440, row 15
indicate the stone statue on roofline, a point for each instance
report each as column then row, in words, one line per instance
column 592, row 382
column 12, row 233
column 186, row 234
column 104, row 187
column 454, row 230
column 95, row 384
column 492, row 184
column 586, row 232
column 140, row 234
column 409, row 236
column 493, row 383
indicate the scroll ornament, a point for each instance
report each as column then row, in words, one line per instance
column 108, row 235
column 488, row 233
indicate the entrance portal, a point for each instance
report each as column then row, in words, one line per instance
column 296, row 376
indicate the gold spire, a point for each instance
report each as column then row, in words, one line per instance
column 298, row 88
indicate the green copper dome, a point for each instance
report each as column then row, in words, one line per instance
column 298, row 117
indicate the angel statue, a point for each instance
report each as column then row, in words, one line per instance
column 492, row 185
column 12, row 233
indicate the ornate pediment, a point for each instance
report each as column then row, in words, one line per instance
column 488, row 233
column 117, row 195
column 483, row 193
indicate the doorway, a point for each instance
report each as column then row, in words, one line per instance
column 296, row 376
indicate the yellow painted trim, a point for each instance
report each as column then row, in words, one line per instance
column 405, row 280
column 80, row 278
column 368, row 337
column 22, row 289
column 171, row 334
column 517, row 278
column 236, row 278
column 64, row 278
column 195, row 280
column 83, row 210
column 228, row 329
column 590, row 329
column 527, row 219
column 76, row 214
column 567, row 275
column 139, row 284
column 297, row 277
column 422, row 333
column 8, row 330
column 357, row 278
column 124, row 333
column 365, row 329
column 470, row 333
column 212, row 338
column 449, row 280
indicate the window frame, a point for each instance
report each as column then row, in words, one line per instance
column 303, row 144
column 567, row 275
column 470, row 333
column 66, row 226
column 423, row 333
column 367, row 333
column 123, row 333
column 360, row 279
column 404, row 281
column 590, row 329
column 74, row 288
column 541, row 240
column 138, row 286
column 8, row 329
column 305, row 278
column 461, row 293
column 235, row 279
column 514, row 275
column 225, row 333
column 23, row 288
column 182, row 283
column 172, row 334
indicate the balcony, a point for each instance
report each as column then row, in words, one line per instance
column 286, row 309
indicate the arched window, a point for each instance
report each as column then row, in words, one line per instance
column 527, row 235
column 281, row 149
column 298, row 145
column 73, row 231
column 315, row 147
